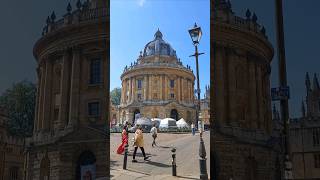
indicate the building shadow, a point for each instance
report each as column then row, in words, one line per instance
column 165, row 147
column 158, row 164
column 140, row 155
column 114, row 163
column 186, row 177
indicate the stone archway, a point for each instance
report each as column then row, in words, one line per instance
column 174, row 114
column 86, row 166
column 137, row 111
column 45, row 168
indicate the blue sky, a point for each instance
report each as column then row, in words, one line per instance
column 134, row 22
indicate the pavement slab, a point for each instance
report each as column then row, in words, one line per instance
column 159, row 166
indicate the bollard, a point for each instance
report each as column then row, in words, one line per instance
column 125, row 156
column 174, row 166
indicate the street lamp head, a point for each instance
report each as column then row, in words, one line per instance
column 195, row 34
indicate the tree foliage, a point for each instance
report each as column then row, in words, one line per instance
column 19, row 100
column 115, row 96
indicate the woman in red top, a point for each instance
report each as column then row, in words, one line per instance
column 124, row 136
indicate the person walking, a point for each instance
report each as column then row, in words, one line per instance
column 138, row 142
column 193, row 129
column 124, row 138
column 154, row 133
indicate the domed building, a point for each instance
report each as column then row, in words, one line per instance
column 69, row 135
column 243, row 144
column 157, row 85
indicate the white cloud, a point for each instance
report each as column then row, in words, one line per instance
column 141, row 2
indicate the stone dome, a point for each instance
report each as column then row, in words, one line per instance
column 158, row 47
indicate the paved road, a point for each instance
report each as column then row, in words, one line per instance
column 187, row 150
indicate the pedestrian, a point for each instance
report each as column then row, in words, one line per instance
column 154, row 133
column 124, row 137
column 138, row 142
column 193, row 129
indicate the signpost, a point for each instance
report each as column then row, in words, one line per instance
column 280, row 93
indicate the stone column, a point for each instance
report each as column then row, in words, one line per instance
column 40, row 107
column 150, row 87
column 47, row 97
column 252, row 97
column 133, row 89
column 160, row 89
column 182, row 89
column 145, row 85
column 178, row 89
column 37, row 109
column 64, row 91
column 189, row 91
column 130, row 90
column 165, row 87
column 75, row 88
column 232, row 89
column 260, row 98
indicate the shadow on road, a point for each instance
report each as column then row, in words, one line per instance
column 114, row 163
column 186, row 177
column 140, row 155
column 166, row 147
column 157, row 164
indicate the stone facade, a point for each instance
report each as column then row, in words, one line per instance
column 242, row 145
column 69, row 127
column 205, row 107
column 11, row 151
column 114, row 114
column 305, row 134
column 157, row 85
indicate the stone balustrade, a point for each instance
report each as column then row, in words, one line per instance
column 77, row 17
column 241, row 23
column 157, row 64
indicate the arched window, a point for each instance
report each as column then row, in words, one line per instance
column 86, row 166
column 174, row 114
column 136, row 115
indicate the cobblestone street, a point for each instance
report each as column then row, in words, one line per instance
column 187, row 154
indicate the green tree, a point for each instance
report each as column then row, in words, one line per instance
column 115, row 96
column 19, row 100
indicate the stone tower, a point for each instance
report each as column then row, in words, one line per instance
column 312, row 96
column 72, row 95
column 241, row 100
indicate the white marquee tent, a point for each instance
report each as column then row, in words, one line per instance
column 182, row 123
column 156, row 121
column 168, row 122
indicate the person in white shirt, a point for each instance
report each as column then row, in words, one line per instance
column 154, row 134
column 193, row 129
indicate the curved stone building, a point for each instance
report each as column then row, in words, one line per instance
column 157, row 85
column 243, row 146
column 69, row 128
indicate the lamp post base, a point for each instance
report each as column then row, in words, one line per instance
column 203, row 169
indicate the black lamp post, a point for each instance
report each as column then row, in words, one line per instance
column 195, row 34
